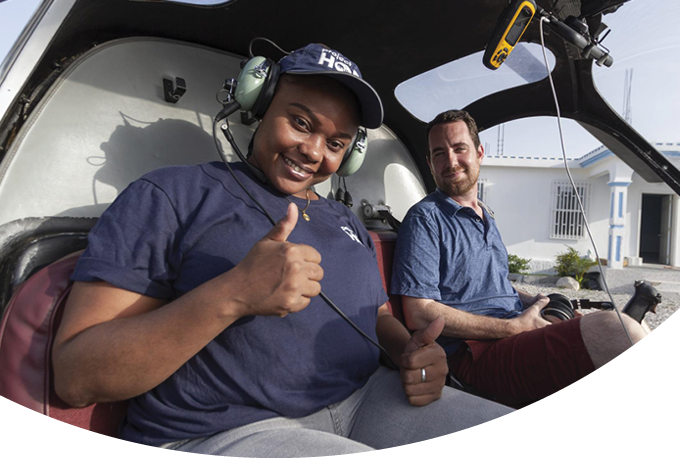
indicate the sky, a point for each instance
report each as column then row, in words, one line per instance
column 13, row 17
column 643, row 39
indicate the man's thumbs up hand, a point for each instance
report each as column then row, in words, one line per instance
column 423, row 365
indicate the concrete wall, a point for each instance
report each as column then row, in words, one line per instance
column 520, row 194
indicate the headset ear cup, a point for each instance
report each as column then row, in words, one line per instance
column 559, row 306
column 267, row 93
column 256, row 84
column 355, row 155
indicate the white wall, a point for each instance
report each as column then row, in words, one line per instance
column 521, row 198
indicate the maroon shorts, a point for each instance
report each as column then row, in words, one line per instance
column 524, row 368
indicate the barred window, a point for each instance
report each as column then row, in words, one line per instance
column 567, row 221
column 481, row 190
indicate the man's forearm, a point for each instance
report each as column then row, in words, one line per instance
column 459, row 324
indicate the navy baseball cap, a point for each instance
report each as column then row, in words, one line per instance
column 315, row 59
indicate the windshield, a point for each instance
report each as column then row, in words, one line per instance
column 465, row 80
column 198, row 2
column 641, row 85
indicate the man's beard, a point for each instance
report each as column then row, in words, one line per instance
column 461, row 186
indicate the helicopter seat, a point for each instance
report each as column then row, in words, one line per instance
column 29, row 325
column 385, row 242
column 27, row 333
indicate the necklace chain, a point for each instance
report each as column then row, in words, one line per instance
column 305, row 216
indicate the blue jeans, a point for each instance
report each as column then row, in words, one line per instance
column 374, row 417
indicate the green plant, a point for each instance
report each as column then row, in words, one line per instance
column 517, row 265
column 572, row 264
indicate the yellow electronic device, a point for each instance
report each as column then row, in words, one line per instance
column 509, row 29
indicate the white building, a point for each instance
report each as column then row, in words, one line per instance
column 632, row 221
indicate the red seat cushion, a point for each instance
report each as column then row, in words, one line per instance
column 26, row 336
column 385, row 242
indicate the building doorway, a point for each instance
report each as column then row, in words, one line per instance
column 655, row 229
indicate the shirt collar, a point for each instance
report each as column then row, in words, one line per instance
column 452, row 207
column 447, row 203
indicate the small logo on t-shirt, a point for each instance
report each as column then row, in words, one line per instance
column 351, row 234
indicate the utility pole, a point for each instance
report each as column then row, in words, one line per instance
column 627, row 92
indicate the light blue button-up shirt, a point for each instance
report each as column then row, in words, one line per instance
column 447, row 253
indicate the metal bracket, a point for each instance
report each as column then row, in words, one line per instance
column 174, row 91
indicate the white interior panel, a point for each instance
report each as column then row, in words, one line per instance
column 105, row 123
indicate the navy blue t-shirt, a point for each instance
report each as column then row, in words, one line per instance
column 178, row 227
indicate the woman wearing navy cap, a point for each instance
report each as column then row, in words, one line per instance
column 188, row 302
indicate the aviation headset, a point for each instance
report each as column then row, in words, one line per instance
column 559, row 306
column 255, row 89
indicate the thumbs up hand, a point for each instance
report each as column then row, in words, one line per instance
column 278, row 277
column 423, row 365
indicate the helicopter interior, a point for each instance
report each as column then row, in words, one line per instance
column 124, row 87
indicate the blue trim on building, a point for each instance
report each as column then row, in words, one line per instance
column 616, row 226
column 618, row 248
column 620, row 204
column 597, row 157
column 620, row 184
column 611, row 208
column 609, row 249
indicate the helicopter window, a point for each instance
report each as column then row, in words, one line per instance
column 20, row 13
column 465, row 80
column 196, row 2
column 511, row 139
column 640, row 41
column 642, row 84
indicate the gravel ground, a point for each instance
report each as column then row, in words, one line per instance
column 669, row 304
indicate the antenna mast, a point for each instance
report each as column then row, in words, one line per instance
column 501, row 136
column 627, row 92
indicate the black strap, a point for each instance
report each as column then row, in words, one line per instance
column 391, row 220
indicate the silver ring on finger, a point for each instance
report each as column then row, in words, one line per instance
column 423, row 375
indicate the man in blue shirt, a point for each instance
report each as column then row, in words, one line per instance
column 450, row 261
